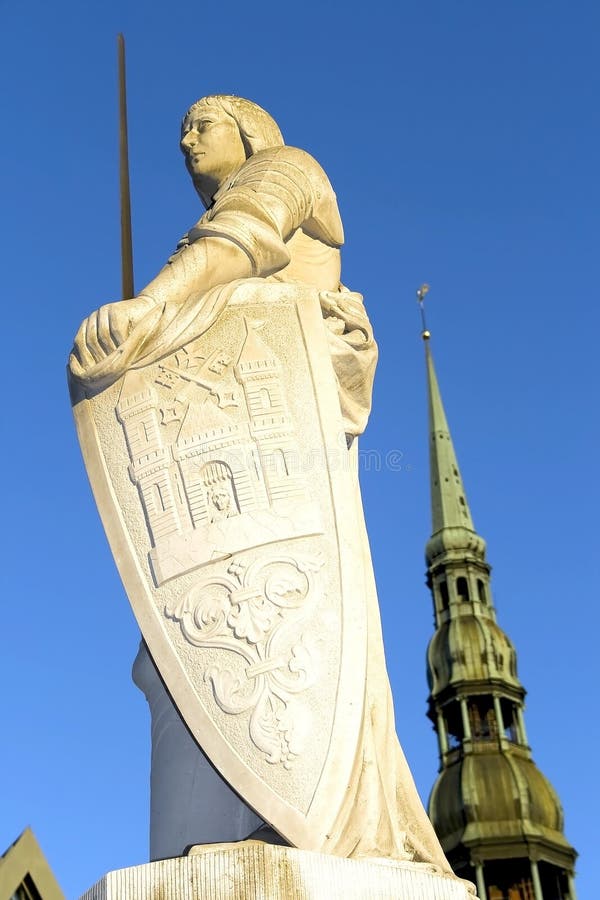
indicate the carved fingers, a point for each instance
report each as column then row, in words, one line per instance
column 107, row 328
column 346, row 307
column 85, row 344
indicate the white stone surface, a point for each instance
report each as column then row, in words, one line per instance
column 252, row 870
column 215, row 413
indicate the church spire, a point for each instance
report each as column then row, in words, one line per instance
column 449, row 507
column 498, row 818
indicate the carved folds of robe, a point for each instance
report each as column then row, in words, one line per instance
column 281, row 210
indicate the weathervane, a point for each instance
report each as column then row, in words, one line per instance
column 421, row 294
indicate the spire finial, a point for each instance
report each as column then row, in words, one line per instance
column 421, row 294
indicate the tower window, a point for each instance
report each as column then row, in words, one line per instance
column 510, row 721
column 482, row 717
column 444, row 594
column 554, row 881
column 454, row 727
column 481, row 591
column 462, row 589
column 510, row 879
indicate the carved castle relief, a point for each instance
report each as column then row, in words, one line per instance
column 214, row 455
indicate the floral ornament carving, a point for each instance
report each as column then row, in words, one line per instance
column 259, row 613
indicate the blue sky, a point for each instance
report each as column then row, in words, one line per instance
column 462, row 140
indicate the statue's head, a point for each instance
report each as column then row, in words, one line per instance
column 218, row 134
column 221, row 500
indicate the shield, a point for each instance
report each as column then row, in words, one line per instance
column 226, row 490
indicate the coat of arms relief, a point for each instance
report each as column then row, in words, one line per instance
column 214, row 455
column 258, row 612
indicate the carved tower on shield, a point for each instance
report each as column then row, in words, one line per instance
column 259, row 371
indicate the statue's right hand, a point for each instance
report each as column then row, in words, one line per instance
column 106, row 329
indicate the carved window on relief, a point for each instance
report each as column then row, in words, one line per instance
column 281, row 463
column 177, row 482
column 264, row 398
column 159, row 499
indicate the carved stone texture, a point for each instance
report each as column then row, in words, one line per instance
column 224, row 482
column 261, row 612
column 251, row 869
column 214, row 454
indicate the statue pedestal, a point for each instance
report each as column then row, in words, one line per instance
column 252, row 870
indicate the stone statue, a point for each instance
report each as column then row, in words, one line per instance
column 218, row 413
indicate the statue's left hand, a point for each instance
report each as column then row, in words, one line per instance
column 345, row 307
column 106, row 329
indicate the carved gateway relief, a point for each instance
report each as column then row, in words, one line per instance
column 214, row 455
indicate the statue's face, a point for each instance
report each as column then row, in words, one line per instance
column 211, row 142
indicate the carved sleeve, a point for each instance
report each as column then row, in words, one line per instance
column 275, row 193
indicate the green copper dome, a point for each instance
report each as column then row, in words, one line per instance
column 470, row 648
column 497, row 796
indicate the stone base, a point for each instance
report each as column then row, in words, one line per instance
column 253, row 870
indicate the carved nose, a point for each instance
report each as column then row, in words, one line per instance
column 188, row 140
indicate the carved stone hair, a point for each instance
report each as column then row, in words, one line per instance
column 258, row 129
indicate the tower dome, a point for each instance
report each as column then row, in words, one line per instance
column 495, row 795
column 471, row 648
